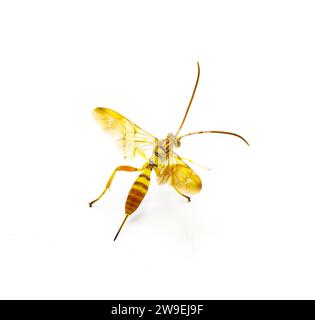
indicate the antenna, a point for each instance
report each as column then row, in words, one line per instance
column 191, row 100
column 215, row 131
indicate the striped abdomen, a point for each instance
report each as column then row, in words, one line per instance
column 138, row 190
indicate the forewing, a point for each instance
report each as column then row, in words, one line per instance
column 182, row 177
column 130, row 138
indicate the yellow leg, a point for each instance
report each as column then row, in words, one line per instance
column 197, row 164
column 120, row 168
column 188, row 198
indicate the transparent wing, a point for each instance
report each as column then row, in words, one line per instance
column 130, row 138
column 178, row 174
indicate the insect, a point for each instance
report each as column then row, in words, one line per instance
column 168, row 166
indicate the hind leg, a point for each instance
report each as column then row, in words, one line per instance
column 188, row 198
column 120, row 168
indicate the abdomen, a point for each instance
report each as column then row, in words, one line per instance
column 138, row 191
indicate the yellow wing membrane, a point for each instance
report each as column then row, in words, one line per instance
column 178, row 174
column 130, row 138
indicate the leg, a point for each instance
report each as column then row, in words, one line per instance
column 120, row 168
column 188, row 198
column 197, row 164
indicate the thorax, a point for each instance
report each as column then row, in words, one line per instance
column 163, row 149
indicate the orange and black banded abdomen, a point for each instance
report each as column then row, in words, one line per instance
column 138, row 191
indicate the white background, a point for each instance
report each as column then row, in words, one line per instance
column 250, row 233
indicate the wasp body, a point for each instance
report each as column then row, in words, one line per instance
column 163, row 160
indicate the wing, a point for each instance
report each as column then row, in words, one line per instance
column 179, row 175
column 130, row 138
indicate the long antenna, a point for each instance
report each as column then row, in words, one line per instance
column 215, row 131
column 121, row 226
column 191, row 99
